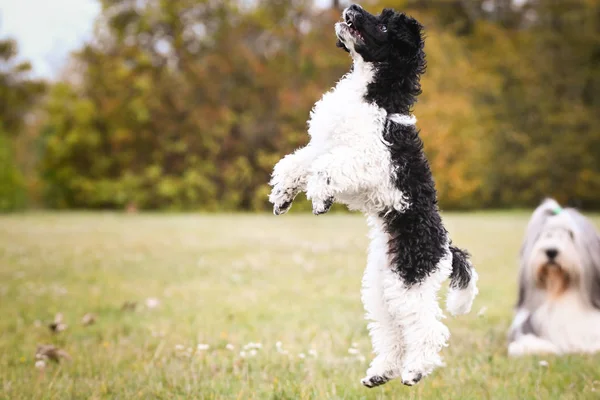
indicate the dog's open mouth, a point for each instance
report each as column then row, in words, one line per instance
column 349, row 20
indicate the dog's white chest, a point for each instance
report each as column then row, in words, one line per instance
column 569, row 324
column 342, row 117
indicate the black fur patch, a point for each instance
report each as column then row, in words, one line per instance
column 418, row 239
column 394, row 44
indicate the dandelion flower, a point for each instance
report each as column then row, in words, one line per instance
column 40, row 364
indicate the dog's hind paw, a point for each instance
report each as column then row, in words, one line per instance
column 374, row 381
column 410, row 378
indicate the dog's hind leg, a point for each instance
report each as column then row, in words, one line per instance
column 415, row 309
column 385, row 335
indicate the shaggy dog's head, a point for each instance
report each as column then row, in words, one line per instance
column 388, row 37
column 561, row 251
column 554, row 259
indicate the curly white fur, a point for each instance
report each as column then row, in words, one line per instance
column 347, row 148
column 405, row 327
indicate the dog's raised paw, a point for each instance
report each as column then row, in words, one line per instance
column 411, row 378
column 282, row 208
column 321, row 207
column 374, row 381
column 282, row 200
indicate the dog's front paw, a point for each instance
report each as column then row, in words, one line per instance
column 282, row 199
column 322, row 206
column 319, row 191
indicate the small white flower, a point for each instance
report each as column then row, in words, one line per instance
column 543, row 363
column 40, row 364
column 312, row 352
column 179, row 347
column 253, row 345
column 352, row 350
column 243, row 354
column 229, row 346
column 361, row 358
column 278, row 344
column 253, row 352
column 152, row 302
column 354, row 344
column 202, row 347
column 482, row 311
column 302, row 355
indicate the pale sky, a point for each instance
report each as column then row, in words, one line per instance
column 48, row 30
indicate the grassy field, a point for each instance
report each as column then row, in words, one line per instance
column 240, row 284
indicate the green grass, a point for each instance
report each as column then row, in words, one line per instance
column 235, row 279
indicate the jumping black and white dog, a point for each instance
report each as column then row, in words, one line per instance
column 365, row 152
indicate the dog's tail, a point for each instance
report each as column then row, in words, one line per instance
column 463, row 283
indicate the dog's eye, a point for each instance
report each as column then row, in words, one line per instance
column 383, row 28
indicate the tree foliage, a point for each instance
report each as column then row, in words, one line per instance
column 187, row 104
column 18, row 94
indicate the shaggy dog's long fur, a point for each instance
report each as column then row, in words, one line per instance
column 365, row 152
column 558, row 309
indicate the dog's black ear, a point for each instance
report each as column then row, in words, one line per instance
column 341, row 45
column 408, row 31
column 387, row 13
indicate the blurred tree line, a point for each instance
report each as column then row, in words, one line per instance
column 187, row 104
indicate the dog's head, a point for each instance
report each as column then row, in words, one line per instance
column 555, row 260
column 390, row 37
column 561, row 251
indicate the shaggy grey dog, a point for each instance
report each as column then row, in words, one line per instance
column 558, row 309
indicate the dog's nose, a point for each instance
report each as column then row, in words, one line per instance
column 551, row 253
column 355, row 7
